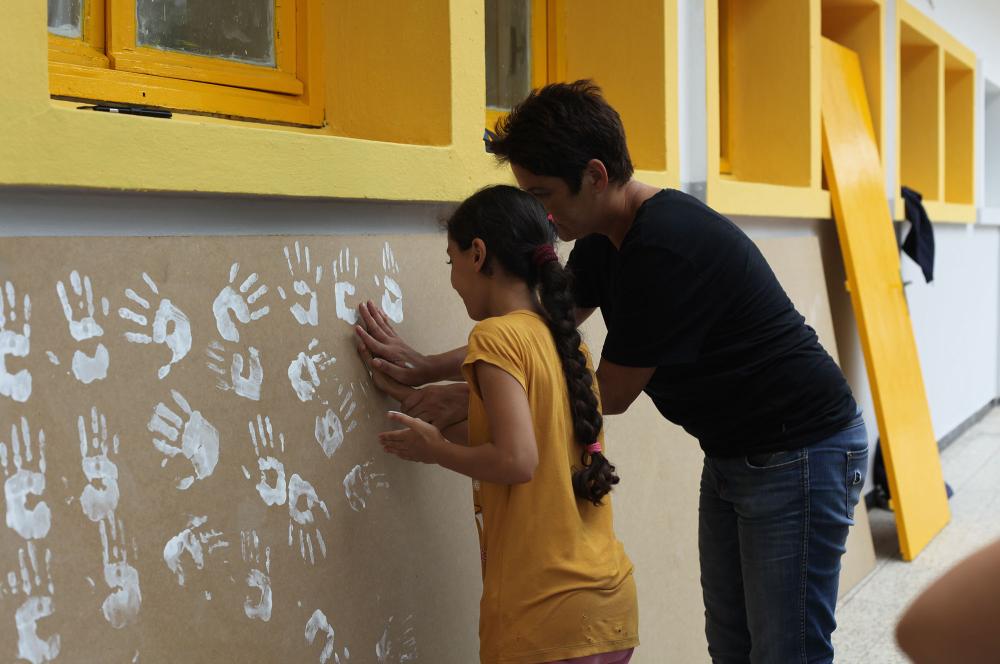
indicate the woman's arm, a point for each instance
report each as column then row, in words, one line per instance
column 510, row 457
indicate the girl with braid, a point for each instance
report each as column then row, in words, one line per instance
column 557, row 585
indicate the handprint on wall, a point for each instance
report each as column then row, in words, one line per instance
column 100, row 497
column 237, row 301
column 83, row 326
column 198, row 438
column 169, row 326
column 14, row 343
column 24, row 475
column 302, row 273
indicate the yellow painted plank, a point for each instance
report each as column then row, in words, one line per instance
column 850, row 156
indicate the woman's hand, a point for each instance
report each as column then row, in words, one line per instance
column 440, row 405
column 389, row 353
column 418, row 441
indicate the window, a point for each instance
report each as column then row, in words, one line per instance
column 254, row 59
column 517, row 52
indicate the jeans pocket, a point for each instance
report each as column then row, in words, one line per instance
column 770, row 460
column 857, row 469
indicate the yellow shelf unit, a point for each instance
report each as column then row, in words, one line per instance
column 636, row 65
column 763, row 93
column 936, row 118
column 858, row 25
column 404, row 106
column 762, row 80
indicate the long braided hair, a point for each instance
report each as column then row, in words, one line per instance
column 517, row 234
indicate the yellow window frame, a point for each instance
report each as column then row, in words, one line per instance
column 547, row 50
column 106, row 65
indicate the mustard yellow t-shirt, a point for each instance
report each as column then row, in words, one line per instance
column 556, row 581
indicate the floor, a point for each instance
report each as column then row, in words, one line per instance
column 867, row 615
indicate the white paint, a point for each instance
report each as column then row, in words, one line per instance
column 247, row 386
column 86, row 368
column 303, row 519
column 301, row 271
column 230, row 302
column 303, row 372
column 318, row 623
column 100, row 497
column 392, row 649
column 198, row 437
column 392, row 296
column 53, row 358
column 345, row 272
column 29, row 523
column 37, row 586
column 259, row 577
column 17, row 385
column 193, row 542
column 329, row 433
column 121, row 606
column 177, row 338
column 273, row 490
column 360, row 483
column 86, row 327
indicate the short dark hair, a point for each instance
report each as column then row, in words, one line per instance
column 561, row 127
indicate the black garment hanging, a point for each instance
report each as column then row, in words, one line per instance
column 919, row 242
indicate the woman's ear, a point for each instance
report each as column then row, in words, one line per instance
column 478, row 249
column 597, row 174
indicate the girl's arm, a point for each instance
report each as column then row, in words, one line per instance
column 510, row 457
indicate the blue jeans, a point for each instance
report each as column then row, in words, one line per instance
column 771, row 532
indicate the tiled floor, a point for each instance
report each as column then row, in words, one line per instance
column 867, row 615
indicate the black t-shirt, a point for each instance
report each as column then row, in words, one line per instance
column 690, row 294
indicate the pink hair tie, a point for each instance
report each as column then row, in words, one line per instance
column 544, row 253
column 594, row 448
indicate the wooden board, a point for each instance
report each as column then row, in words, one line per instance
column 871, row 259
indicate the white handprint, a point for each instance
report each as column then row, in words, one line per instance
column 100, row 497
column 330, row 431
column 199, row 439
column 302, row 519
column 247, row 386
column 318, row 623
column 303, row 372
column 259, row 577
column 303, row 315
column 17, row 386
column 263, row 446
column 86, row 368
column 177, row 338
column 29, row 523
column 398, row 650
column 195, row 543
column 121, row 606
column 392, row 296
column 343, row 271
column 228, row 301
column 34, row 579
column 360, row 483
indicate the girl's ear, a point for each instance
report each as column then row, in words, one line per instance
column 478, row 249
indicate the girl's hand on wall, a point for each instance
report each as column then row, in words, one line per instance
column 419, row 441
column 391, row 355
